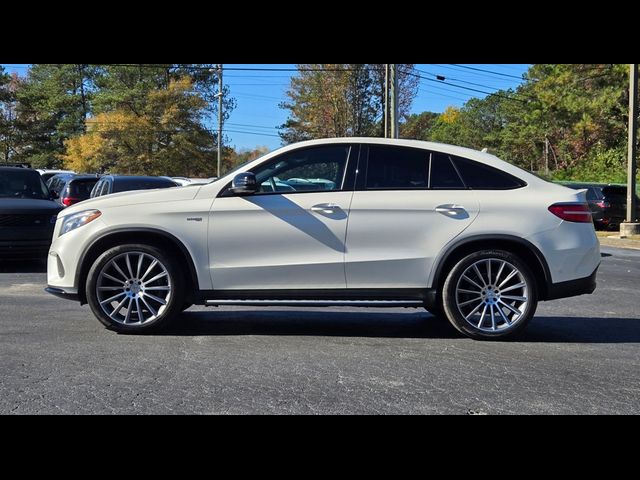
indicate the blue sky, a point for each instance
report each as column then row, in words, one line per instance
column 258, row 94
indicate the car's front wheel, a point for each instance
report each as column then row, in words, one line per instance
column 490, row 295
column 135, row 289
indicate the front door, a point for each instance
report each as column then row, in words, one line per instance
column 291, row 235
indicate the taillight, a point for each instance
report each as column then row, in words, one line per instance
column 572, row 212
column 68, row 201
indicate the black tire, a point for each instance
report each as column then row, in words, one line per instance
column 169, row 312
column 453, row 311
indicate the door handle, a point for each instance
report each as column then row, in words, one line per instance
column 451, row 210
column 326, row 208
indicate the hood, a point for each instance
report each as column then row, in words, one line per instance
column 26, row 206
column 140, row 197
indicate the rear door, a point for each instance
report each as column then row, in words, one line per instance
column 408, row 205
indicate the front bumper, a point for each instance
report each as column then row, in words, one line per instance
column 573, row 288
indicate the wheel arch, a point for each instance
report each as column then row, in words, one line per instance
column 122, row 236
column 527, row 251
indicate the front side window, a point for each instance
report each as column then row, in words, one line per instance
column 396, row 168
column 317, row 169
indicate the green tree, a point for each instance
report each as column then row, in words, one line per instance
column 419, row 126
column 53, row 103
column 6, row 115
column 340, row 100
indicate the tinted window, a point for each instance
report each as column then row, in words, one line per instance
column 478, row 176
column 318, row 169
column 22, row 184
column 443, row 174
column 81, row 188
column 615, row 191
column 131, row 184
column 393, row 168
column 594, row 194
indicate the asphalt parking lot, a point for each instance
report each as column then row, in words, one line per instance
column 579, row 356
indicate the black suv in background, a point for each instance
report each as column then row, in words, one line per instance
column 607, row 202
column 27, row 213
column 614, row 200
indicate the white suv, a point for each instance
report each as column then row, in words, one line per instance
column 356, row 222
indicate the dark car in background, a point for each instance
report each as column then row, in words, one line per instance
column 608, row 203
column 69, row 190
column 615, row 205
column 27, row 214
column 117, row 184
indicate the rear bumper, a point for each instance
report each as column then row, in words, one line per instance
column 65, row 294
column 573, row 288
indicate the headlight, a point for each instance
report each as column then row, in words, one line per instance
column 78, row 220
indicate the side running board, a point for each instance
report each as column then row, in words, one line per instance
column 317, row 303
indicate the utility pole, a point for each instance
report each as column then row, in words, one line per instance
column 546, row 155
column 220, row 118
column 394, row 114
column 387, row 77
column 632, row 227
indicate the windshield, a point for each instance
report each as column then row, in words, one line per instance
column 22, row 184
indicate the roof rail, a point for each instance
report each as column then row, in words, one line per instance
column 16, row 165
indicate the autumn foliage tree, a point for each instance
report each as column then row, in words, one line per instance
column 164, row 135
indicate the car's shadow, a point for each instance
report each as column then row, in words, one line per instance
column 393, row 325
column 11, row 265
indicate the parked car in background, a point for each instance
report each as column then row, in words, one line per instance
column 57, row 183
column 607, row 202
column 376, row 222
column 615, row 203
column 117, row 184
column 48, row 174
column 185, row 182
column 27, row 213
column 75, row 189
column 595, row 199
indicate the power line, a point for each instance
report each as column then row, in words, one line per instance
column 487, row 71
column 467, row 88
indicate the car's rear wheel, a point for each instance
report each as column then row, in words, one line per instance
column 490, row 295
column 135, row 289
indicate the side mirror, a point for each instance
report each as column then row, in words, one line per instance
column 245, row 184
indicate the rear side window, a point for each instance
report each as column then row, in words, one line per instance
column 478, row 176
column 443, row 174
column 394, row 168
